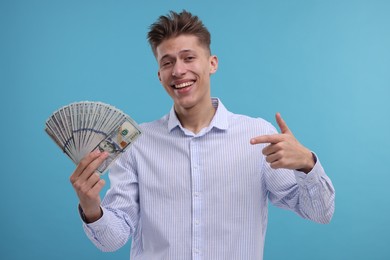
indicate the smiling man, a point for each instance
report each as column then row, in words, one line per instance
column 196, row 183
column 185, row 69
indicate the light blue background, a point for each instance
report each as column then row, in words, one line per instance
column 325, row 65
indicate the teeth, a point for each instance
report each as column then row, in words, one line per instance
column 183, row 85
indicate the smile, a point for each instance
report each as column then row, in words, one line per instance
column 183, row 85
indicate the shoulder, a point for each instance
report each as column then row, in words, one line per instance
column 248, row 123
column 156, row 125
column 152, row 132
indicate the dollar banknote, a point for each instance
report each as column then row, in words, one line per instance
column 81, row 127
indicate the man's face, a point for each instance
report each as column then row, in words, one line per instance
column 185, row 67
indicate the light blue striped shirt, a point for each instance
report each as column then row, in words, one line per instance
column 181, row 196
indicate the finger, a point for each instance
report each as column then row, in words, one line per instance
column 89, row 186
column 88, row 190
column 270, row 149
column 88, row 165
column 276, row 165
column 272, row 158
column 263, row 139
column 85, row 162
column 95, row 190
column 84, row 185
column 282, row 124
column 93, row 166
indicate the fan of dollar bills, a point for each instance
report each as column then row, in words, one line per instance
column 81, row 127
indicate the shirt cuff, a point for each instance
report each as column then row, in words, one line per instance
column 98, row 222
column 311, row 177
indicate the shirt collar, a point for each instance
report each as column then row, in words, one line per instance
column 220, row 119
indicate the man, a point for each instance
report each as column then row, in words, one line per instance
column 195, row 185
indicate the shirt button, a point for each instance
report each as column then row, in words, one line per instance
column 196, row 194
column 197, row 222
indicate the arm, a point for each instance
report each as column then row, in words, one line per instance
column 88, row 185
column 294, row 176
column 309, row 195
column 110, row 223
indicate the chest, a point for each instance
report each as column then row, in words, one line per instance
column 181, row 166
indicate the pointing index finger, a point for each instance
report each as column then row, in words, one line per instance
column 263, row 139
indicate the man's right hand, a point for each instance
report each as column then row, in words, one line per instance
column 87, row 184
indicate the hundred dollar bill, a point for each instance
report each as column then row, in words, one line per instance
column 117, row 142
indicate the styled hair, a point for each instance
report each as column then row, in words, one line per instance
column 176, row 24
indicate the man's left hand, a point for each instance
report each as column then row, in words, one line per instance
column 284, row 150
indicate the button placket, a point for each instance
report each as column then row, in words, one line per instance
column 196, row 198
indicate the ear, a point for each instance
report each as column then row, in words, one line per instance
column 213, row 64
column 158, row 75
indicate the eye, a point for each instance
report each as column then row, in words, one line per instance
column 165, row 63
column 189, row 58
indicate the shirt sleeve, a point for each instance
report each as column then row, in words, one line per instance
column 310, row 195
column 120, row 208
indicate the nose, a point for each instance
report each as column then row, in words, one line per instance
column 179, row 69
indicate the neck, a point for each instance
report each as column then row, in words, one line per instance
column 196, row 118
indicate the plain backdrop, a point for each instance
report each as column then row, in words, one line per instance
column 325, row 65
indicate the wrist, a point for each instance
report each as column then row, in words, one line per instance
column 90, row 216
column 310, row 162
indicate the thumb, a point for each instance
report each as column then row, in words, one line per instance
column 282, row 124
